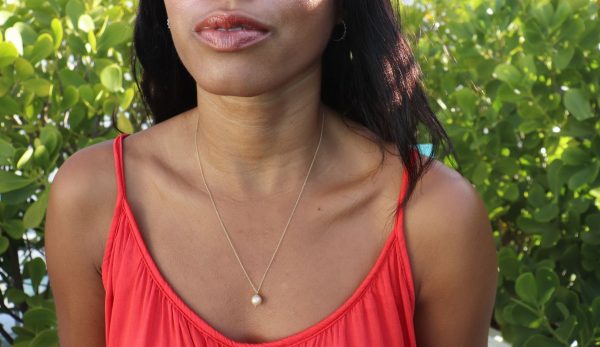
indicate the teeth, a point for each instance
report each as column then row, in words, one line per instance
column 231, row 29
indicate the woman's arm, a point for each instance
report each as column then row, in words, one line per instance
column 74, row 220
column 456, row 255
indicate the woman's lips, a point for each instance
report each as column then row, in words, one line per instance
column 230, row 32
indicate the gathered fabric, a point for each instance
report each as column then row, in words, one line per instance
column 142, row 309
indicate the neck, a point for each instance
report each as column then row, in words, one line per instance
column 259, row 146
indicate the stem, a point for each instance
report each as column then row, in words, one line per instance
column 6, row 335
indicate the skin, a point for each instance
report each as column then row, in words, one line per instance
column 259, row 125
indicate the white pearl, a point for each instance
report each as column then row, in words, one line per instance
column 256, row 300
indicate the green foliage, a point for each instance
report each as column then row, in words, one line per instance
column 516, row 84
column 63, row 77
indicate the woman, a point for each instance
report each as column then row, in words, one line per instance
column 278, row 200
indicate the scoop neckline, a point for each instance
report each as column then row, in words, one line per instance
column 201, row 324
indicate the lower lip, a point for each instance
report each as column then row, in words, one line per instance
column 229, row 41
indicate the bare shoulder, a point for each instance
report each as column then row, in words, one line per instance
column 449, row 198
column 446, row 215
column 82, row 198
column 454, row 260
column 83, row 192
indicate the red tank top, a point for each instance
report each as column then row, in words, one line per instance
column 142, row 309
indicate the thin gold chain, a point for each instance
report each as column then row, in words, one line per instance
column 256, row 290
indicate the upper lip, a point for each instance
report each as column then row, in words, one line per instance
column 228, row 21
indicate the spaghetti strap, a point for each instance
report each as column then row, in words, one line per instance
column 119, row 172
column 400, row 231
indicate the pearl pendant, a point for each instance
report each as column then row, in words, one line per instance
column 256, row 300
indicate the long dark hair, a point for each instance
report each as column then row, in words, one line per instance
column 370, row 77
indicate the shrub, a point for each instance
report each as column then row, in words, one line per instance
column 516, row 84
column 64, row 78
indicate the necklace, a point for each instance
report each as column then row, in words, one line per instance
column 256, row 298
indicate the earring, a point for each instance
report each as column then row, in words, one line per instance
column 168, row 24
column 344, row 34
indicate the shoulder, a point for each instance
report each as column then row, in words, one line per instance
column 449, row 195
column 85, row 174
column 446, row 217
column 78, row 216
column 82, row 198
column 454, row 257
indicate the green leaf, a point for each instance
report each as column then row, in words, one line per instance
column 575, row 155
column 127, row 98
column 572, row 30
column 511, row 193
column 70, row 97
column 74, row 9
column 92, row 40
column 8, row 54
column 23, row 68
column 4, row 243
column 541, row 340
column 508, row 74
column 562, row 57
column 537, row 196
column 36, row 269
column 596, row 311
column 481, row 172
column 115, row 34
column 51, row 138
column 563, row 309
column 14, row 228
column 57, row 32
column 20, row 196
column 531, row 226
column 577, row 104
column 112, row 78
column 35, row 4
column 8, row 106
column 542, row 13
column 563, row 11
column 525, row 317
column 9, row 181
column 546, row 213
column 509, row 267
column 44, row 46
column 566, row 328
column 6, row 149
column 41, row 156
column 25, row 158
column 466, row 99
column 13, row 35
column 15, row 296
column 36, row 211
column 38, row 86
column 45, row 338
column 71, row 78
column 586, row 175
column 554, row 181
column 526, row 288
column 547, row 282
column 39, row 318
column 86, row 23
column 124, row 124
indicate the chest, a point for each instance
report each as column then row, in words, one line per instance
column 323, row 258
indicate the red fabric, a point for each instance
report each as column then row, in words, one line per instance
column 142, row 309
